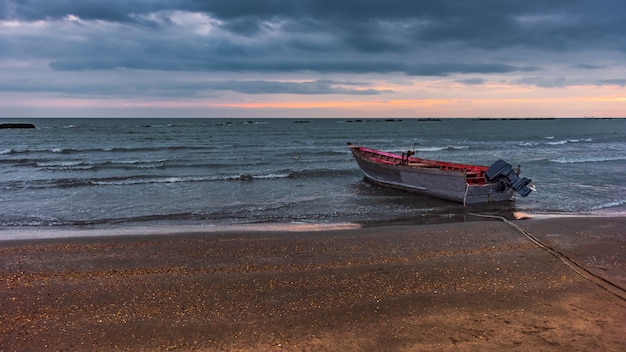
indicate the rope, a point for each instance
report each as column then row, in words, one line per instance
column 603, row 283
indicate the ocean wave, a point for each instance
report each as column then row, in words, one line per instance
column 251, row 177
column 136, row 180
column 59, row 163
column 554, row 143
column 19, row 162
column 296, row 153
column 316, row 173
column 139, row 219
column 139, row 180
column 132, row 164
column 62, row 150
column 63, row 165
column 27, row 151
column 611, row 204
column 528, row 144
column 292, row 174
column 181, row 179
column 57, row 150
column 97, row 164
column 22, row 151
column 135, row 162
column 438, row 149
column 151, row 179
column 232, row 215
column 558, row 142
column 54, row 222
column 160, row 125
column 107, row 181
column 566, row 141
column 32, row 221
column 78, row 165
column 148, row 149
column 590, row 159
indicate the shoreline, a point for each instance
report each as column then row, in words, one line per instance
column 28, row 233
column 455, row 286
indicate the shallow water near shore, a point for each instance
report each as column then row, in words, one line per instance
column 207, row 172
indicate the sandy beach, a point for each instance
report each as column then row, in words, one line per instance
column 471, row 286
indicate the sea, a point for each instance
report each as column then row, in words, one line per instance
column 102, row 173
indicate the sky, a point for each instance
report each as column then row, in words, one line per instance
column 312, row 58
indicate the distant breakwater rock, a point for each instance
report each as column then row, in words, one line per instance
column 17, row 125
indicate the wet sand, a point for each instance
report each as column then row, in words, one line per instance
column 470, row 286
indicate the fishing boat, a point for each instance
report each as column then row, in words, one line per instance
column 464, row 183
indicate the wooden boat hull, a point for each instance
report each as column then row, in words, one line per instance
column 428, row 177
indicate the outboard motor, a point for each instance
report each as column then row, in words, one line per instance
column 501, row 171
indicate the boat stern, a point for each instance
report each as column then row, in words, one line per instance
column 502, row 173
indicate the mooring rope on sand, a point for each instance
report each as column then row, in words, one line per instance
column 603, row 283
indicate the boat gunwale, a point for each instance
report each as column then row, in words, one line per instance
column 474, row 174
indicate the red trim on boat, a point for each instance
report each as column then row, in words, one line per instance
column 475, row 174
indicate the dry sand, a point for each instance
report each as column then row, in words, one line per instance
column 471, row 286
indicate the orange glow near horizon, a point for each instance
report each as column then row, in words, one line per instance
column 574, row 102
column 411, row 103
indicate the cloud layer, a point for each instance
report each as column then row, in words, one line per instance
column 305, row 47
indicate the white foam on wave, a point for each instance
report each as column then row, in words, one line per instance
column 611, row 204
column 438, row 149
column 566, row 160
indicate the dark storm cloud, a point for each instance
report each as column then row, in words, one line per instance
column 186, row 89
column 444, row 69
column 344, row 66
column 483, row 23
column 414, row 37
column 109, row 10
